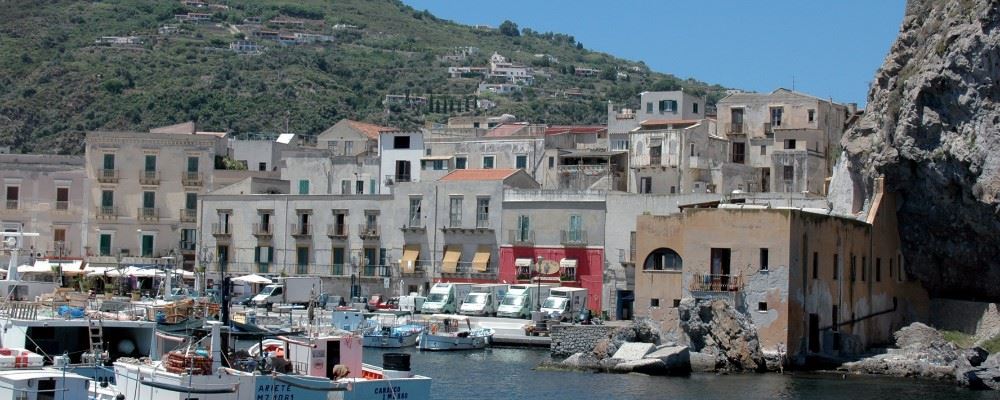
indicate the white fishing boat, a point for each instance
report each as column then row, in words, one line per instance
column 453, row 332
column 24, row 376
column 385, row 330
column 321, row 367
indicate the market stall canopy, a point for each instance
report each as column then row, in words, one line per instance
column 253, row 278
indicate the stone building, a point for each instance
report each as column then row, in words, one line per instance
column 351, row 138
column 812, row 282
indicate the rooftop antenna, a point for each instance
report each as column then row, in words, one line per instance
column 793, row 82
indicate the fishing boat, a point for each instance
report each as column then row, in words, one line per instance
column 319, row 366
column 24, row 376
column 386, row 330
column 453, row 332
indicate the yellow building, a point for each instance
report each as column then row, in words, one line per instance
column 811, row 282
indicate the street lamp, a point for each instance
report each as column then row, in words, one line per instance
column 538, row 280
column 204, row 257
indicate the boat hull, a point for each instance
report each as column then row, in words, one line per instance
column 433, row 342
column 391, row 342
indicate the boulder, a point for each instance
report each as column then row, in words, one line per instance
column 676, row 359
column 648, row 366
column 976, row 356
column 604, row 349
column 580, row 361
column 633, row 351
column 701, row 362
column 714, row 326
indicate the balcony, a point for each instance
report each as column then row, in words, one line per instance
column 769, row 129
column 220, row 229
column 107, row 175
column 107, row 212
column 484, row 225
column 191, row 179
column 337, row 231
column 188, row 246
column 62, row 206
column 465, row 270
column 736, row 128
column 402, row 178
column 13, row 205
column 519, row 237
column 573, row 237
column 148, row 213
column 188, row 215
column 716, row 283
column 368, row 231
column 301, row 230
column 149, row 178
column 655, row 160
column 263, row 230
column 414, row 225
column 375, row 271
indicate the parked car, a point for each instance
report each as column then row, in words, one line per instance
column 391, row 304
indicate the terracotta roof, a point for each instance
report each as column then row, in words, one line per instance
column 669, row 122
column 504, row 130
column 479, row 175
column 576, row 129
column 370, row 130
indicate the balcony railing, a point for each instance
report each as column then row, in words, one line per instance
column 375, row 271
column 301, row 230
column 188, row 245
column 260, row 230
column 188, row 215
column 149, row 178
column 655, row 160
column 107, row 212
column 736, row 128
column 368, row 231
column 13, row 204
column 573, row 237
column 402, row 177
column 517, row 236
column 337, row 231
column 191, row 178
column 342, row 271
column 107, row 175
column 220, row 229
column 716, row 283
column 467, row 270
column 483, row 224
column 148, row 213
column 62, row 205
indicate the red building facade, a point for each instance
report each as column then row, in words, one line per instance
column 579, row 267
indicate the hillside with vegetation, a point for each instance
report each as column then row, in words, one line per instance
column 67, row 67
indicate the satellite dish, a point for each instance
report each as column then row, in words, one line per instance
column 548, row 267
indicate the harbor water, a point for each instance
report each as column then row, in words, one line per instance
column 508, row 373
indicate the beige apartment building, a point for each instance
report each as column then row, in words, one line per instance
column 45, row 194
column 144, row 191
column 812, row 283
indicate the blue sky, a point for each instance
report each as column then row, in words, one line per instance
column 831, row 48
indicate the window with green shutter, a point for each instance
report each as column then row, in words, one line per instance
column 338, row 261
column 147, row 246
column 191, row 201
column 105, row 249
column 192, row 164
column 304, row 186
column 148, row 199
column 109, row 161
column 107, row 198
column 150, row 162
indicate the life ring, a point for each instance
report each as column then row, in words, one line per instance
column 434, row 329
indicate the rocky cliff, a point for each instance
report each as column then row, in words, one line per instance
column 931, row 128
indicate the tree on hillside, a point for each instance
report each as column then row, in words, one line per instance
column 509, row 28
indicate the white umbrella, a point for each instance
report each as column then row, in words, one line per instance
column 253, row 278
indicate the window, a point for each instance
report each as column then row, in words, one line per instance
column 836, row 266
column 789, row 172
column 340, row 222
column 646, row 184
column 552, row 162
column 192, row 164
column 663, row 259
column 303, row 186
column 763, row 150
column 109, row 161
column 147, row 246
column 854, row 262
column 488, row 162
column 575, row 234
column 302, row 260
column 815, row 265
column 13, row 197
column 262, row 166
column 692, row 150
column 460, row 162
column 402, row 171
column 790, row 144
column 415, row 203
column 107, row 198
column 337, row 259
column 189, row 237
column 739, row 152
column 427, row 152
column 483, row 212
column 864, row 268
column 371, row 221
column 694, row 108
column 649, row 108
column 812, row 115
column 762, row 306
column 668, row 106
column 148, row 200
column 372, row 187
column 776, row 113
column 455, row 212
column 677, row 303
column 190, row 200
column 150, row 163
column 59, row 235
column 400, row 142
column 359, row 187
column 262, row 257
column 878, row 269
column 105, row 244
column 521, row 161
column 523, row 228
column 62, row 198
column 348, row 148
column 673, row 189
column 763, row 260
column 890, row 267
column 654, row 302
column 345, row 187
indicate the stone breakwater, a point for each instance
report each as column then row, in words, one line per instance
column 570, row 339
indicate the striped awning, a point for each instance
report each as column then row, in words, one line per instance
column 409, row 261
column 481, row 261
column 451, row 256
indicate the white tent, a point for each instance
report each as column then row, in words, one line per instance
column 253, row 278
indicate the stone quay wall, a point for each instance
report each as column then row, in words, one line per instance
column 570, row 339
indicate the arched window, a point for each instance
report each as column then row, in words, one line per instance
column 663, row 259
